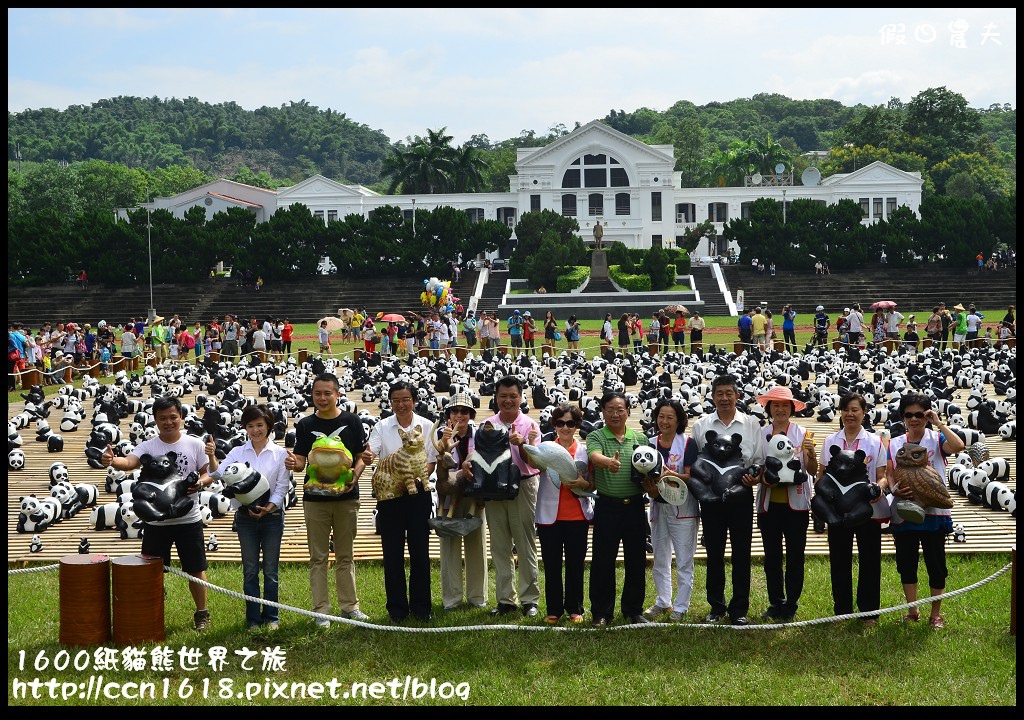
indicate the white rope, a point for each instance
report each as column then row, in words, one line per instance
column 566, row 628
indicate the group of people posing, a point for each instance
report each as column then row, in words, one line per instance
column 600, row 511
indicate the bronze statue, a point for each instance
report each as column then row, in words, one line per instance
column 598, row 234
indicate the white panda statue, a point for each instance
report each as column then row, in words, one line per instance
column 129, row 523
column 782, row 466
column 646, row 462
column 105, row 516
column 218, row 504
column 245, row 484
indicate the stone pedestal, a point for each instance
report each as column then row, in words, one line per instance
column 599, row 265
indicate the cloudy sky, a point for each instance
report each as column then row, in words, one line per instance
column 499, row 72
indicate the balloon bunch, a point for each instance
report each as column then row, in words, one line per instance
column 437, row 294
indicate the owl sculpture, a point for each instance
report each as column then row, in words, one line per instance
column 914, row 471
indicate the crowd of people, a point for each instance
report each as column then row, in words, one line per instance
column 553, row 514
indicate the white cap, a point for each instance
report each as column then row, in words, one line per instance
column 819, row 308
column 527, row 314
column 846, row 309
column 101, row 323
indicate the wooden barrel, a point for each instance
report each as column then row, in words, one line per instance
column 138, row 599
column 738, row 347
column 84, row 600
column 303, row 357
column 460, row 352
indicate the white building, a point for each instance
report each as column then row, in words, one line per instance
column 594, row 173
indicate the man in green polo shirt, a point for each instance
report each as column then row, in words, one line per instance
column 619, row 516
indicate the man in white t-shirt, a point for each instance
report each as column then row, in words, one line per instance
column 856, row 321
column 892, row 330
column 191, row 455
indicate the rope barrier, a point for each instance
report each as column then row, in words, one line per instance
column 562, row 628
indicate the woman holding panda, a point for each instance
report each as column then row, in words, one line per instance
column 783, row 510
column 260, row 525
column 673, row 527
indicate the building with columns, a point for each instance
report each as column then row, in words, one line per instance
column 595, row 174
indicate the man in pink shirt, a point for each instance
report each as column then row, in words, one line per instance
column 511, row 522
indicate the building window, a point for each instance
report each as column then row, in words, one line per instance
column 332, row 215
column 655, row 206
column 890, row 207
column 622, row 205
column 656, row 241
column 535, row 203
column 718, row 212
column 865, row 208
column 569, row 205
column 878, row 208
column 745, row 210
column 475, row 215
column 595, row 171
column 595, row 204
column 319, row 215
column 686, row 213
column 595, row 177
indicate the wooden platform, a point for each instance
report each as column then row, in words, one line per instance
column 987, row 530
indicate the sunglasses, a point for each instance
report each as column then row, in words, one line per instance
column 918, row 415
column 564, row 423
column 459, row 410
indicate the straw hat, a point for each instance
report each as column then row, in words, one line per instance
column 959, row 306
column 780, row 393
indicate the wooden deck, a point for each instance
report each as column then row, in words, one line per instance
column 987, row 530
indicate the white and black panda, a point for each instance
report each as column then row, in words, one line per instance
column 16, row 459
column 37, row 514
column 58, row 473
column 105, row 516
column 129, row 523
column 218, row 504
column 245, row 484
column 88, row 494
column 782, row 466
column 65, row 494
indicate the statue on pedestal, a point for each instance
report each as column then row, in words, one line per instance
column 598, row 234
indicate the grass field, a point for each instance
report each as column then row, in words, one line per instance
column 972, row 662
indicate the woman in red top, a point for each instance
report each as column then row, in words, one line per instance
column 679, row 331
column 286, row 337
column 563, row 521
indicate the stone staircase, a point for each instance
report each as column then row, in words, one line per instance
column 603, row 285
column 490, row 298
column 705, row 283
column 914, row 290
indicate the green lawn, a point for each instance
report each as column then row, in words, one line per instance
column 972, row 662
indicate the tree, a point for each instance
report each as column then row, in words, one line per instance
column 530, row 233
column 655, row 264
column 943, row 114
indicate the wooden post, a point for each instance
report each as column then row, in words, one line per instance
column 30, row 377
column 303, row 357
column 652, row 349
column 460, row 352
column 779, row 345
column 738, row 347
column 67, row 375
column 94, row 370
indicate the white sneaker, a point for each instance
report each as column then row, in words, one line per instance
column 356, row 614
column 323, row 623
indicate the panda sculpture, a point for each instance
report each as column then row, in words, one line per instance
column 16, row 459
column 105, row 516
column 37, row 514
column 843, row 494
column 245, row 484
column 65, row 494
column 782, row 466
column 647, row 463
column 161, row 492
column 58, row 473
column 717, row 473
column 131, row 526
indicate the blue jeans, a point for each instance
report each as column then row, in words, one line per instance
column 253, row 536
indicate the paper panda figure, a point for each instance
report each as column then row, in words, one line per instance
column 245, row 484
column 35, row 545
column 58, row 473
column 212, row 545
column 16, row 459
column 647, row 463
column 83, row 546
column 54, row 443
column 782, row 466
column 105, row 516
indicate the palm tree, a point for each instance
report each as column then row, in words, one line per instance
column 469, row 168
column 425, row 166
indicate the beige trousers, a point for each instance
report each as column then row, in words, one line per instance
column 323, row 518
column 471, row 549
column 512, row 522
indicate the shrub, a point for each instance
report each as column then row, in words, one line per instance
column 567, row 282
column 629, row 281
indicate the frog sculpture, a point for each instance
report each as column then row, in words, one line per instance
column 329, row 466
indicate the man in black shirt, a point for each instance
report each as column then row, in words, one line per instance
column 330, row 508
